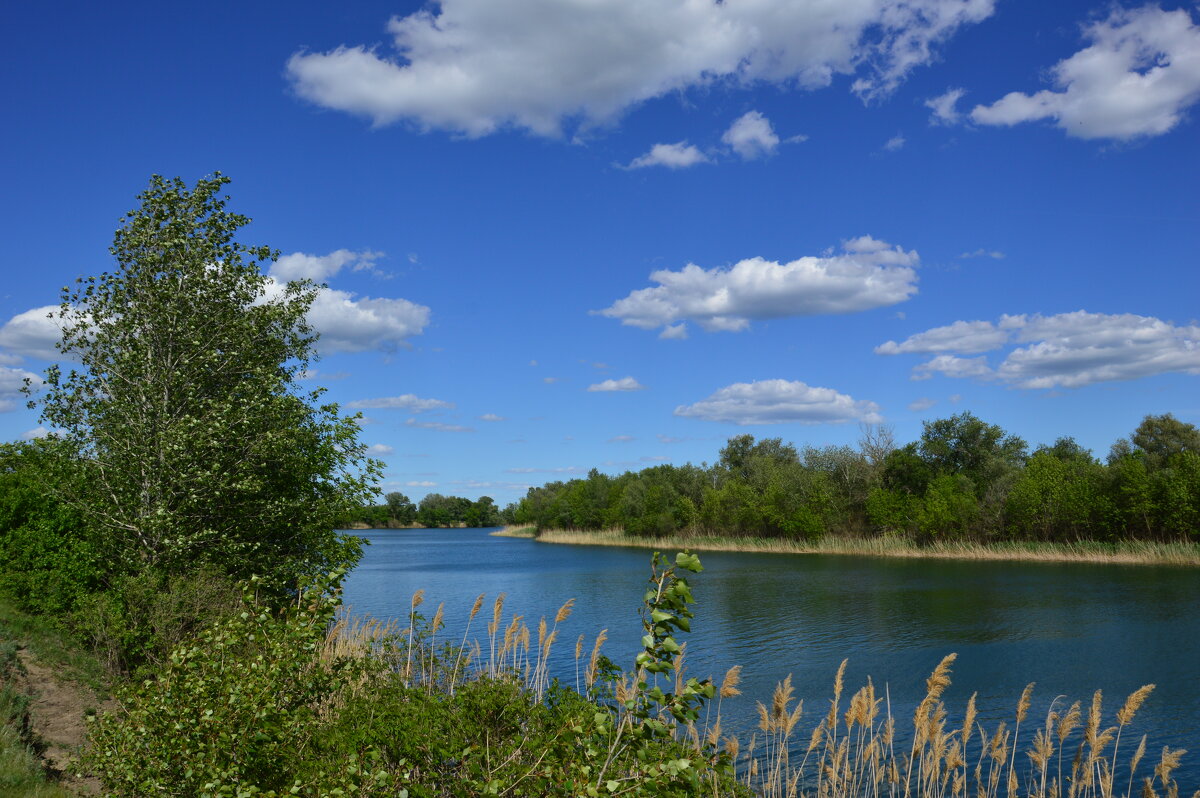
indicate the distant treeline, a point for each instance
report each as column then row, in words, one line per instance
column 434, row 511
column 964, row 479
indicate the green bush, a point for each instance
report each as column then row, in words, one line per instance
column 271, row 704
column 235, row 713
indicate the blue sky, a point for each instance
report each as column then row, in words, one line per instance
column 569, row 234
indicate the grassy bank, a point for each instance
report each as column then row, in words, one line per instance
column 515, row 532
column 1125, row 552
column 46, row 685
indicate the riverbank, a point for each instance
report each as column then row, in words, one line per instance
column 1123, row 552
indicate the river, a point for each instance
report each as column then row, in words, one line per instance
column 1072, row 628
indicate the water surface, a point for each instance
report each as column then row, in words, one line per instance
column 1072, row 628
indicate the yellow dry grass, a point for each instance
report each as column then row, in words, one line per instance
column 1123, row 552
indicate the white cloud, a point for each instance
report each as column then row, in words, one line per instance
column 674, row 332
column 33, row 333
column 952, row 366
column 37, row 432
column 319, row 268
column 751, row 136
column 1137, row 77
column 668, row 439
column 945, row 107
column 549, row 380
column 11, row 382
column 621, row 439
column 473, row 66
column 380, row 450
column 868, row 274
column 895, row 143
column 984, row 253
column 410, row 402
column 420, row 484
column 623, row 384
column 924, row 403
column 779, row 402
column 1067, row 350
column 437, row 425
column 492, row 417
column 967, row 337
column 347, row 324
column 679, row 155
column 1075, row 349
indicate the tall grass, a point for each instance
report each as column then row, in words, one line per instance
column 857, row 749
column 1133, row 552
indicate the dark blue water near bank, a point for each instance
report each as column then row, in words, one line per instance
column 1072, row 628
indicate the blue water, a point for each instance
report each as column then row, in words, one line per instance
column 1072, row 628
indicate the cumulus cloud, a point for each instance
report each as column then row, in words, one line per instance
column 33, row 333
column 968, row 337
column 11, row 382
column 380, row 450
column 410, row 402
column 945, row 107
column 679, row 155
column 420, row 484
column 37, row 432
column 1137, row 77
column 1067, row 350
column 994, row 254
column 437, row 425
column 780, row 402
column 674, row 332
column 319, row 268
column 347, row 324
column 474, row 67
column 751, row 136
column 895, row 143
column 952, row 366
column 492, row 417
column 623, row 384
column 867, row 274
column 924, row 403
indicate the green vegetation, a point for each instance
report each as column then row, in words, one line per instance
column 269, row 704
column 22, row 772
column 434, row 511
column 964, row 481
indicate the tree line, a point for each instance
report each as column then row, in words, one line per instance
column 432, row 512
column 963, row 479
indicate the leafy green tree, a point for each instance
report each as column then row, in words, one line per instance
column 400, row 507
column 1160, row 437
column 185, row 418
column 964, row 444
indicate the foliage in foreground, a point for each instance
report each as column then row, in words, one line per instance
column 185, row 436
column 304, row 703
column 269, row 704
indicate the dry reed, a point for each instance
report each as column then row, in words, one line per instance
column 850, row 753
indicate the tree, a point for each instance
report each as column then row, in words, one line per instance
column 195, row 442
column 964, row 444
column 1160, row 437
column 400, row 507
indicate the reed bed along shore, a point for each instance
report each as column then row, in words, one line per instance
column 861, row 746
column 1122, row 552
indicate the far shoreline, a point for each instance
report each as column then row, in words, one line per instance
column 1118, row 553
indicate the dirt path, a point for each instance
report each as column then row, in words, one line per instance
column 57, row 717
